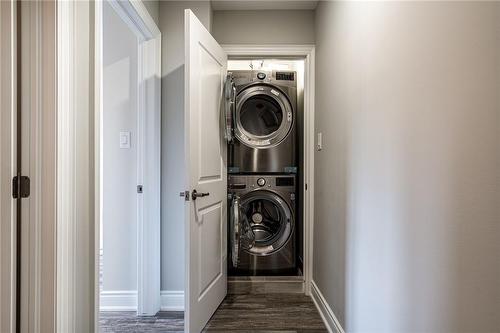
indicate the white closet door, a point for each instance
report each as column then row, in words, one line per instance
column 206, row 243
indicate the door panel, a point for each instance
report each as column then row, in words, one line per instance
column 206, row 236
column 210, row 251
column 209, row 140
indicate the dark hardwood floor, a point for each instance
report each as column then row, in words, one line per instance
column 129, row 322
column 242, row 313
column 266, row 313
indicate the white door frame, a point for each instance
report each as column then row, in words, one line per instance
column 307, row 52
column 135, row 15
column 79, row 155
column 8, row 166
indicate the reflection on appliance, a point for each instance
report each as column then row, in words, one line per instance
column 261, row 120
column 262, row 224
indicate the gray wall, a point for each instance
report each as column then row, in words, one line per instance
column 264, row 27
column 153, row 7
column 407, row 225
column 119, row 165
column 173, row 175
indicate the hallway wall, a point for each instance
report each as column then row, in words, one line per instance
column 119, row 223
column 153, row 8
column 264, row 26
column 407, row 224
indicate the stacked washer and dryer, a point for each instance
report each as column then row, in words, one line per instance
column 261, row 121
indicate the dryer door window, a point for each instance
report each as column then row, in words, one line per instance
column 270, row 219
column 230, row 97
column 263, row 117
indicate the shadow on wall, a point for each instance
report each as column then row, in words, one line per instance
column 173, row 181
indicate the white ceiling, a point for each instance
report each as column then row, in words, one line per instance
column 263, row 4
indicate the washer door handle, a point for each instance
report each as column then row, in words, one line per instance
column 195, row 194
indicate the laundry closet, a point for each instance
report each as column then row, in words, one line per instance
column 264, row 133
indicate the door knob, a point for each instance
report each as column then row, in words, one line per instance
column 195, row 194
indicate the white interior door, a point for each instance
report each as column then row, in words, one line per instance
column 206, row 235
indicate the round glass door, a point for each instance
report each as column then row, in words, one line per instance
column 263, row 117
column 270, row 219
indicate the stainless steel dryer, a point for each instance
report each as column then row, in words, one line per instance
column 261, row 121
column 262, row 224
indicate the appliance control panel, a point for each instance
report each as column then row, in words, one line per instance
column 242, row 182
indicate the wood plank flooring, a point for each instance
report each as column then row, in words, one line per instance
column 242, row 313
column 266, row 313
column 129, row 322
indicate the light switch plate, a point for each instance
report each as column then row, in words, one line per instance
column 320, row 141
column 125, row 140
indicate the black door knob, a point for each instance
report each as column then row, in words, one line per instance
column 195, row 194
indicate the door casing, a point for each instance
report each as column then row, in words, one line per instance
column 135, row 15
column 8, row 166
column 79, row 155
column 306, row 52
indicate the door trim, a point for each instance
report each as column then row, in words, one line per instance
column 75, row 165
column 136, row 16
column 307, row 52
column 79, row 155
column 8, row 166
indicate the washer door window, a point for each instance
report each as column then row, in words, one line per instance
column 270, row 219
column 263, row 117
column 242, row 236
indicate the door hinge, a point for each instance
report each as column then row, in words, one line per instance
column 139, row 188
column 20, row 187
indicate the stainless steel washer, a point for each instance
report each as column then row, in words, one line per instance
column 262, row 224
column 261, row 121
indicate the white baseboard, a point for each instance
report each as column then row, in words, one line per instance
column 126, row 300
column 172, row 300
column 331, row 321
column 118, row 300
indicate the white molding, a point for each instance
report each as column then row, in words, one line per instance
column 98, row 155
column 287, row 50
column 172, row 300
column 306, row 52
column 75, row 165
column 309, row 149
column 8, row 166
column 135, row 15
column 327, row 314
column 126, row 300
column 118, row 300
column 65, row 189
column 149, row 175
